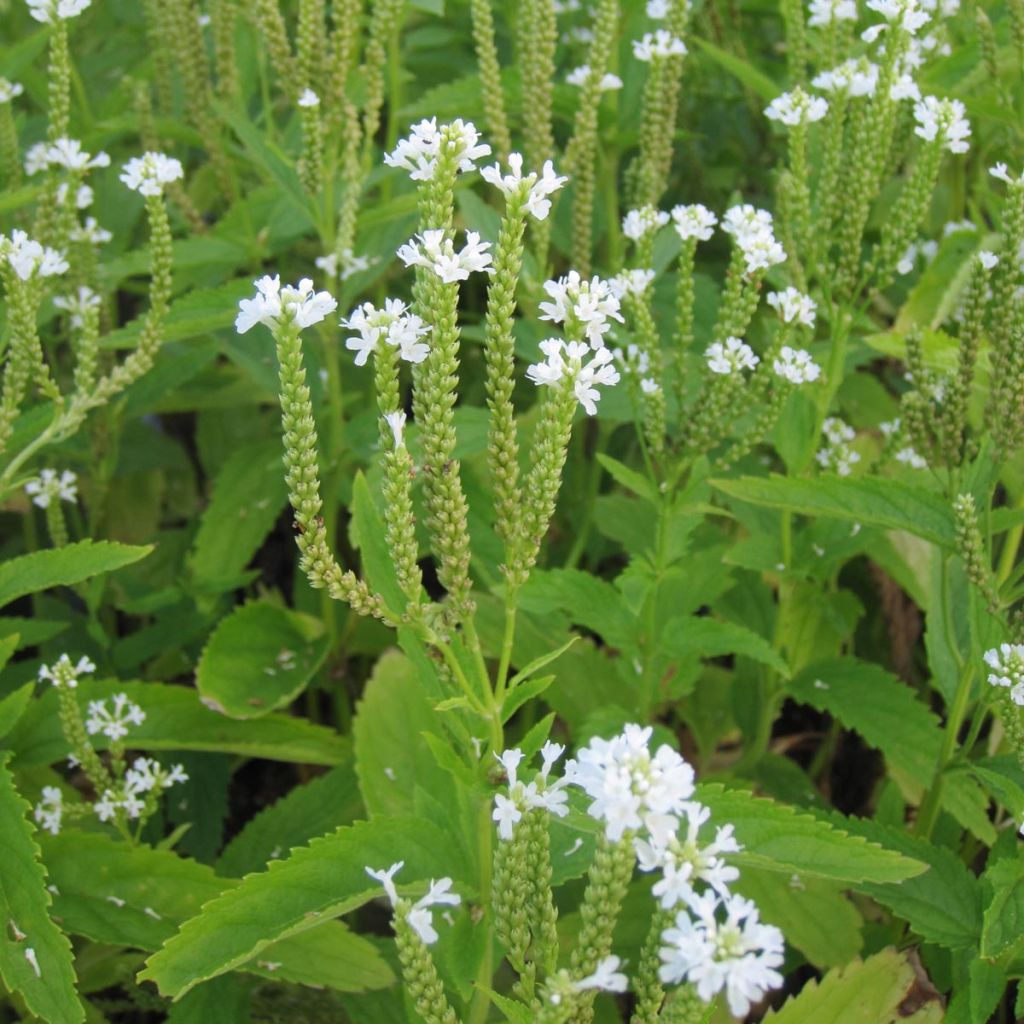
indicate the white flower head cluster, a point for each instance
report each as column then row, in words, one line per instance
column 149, row 173
column 435, row 251
column 823, row 13
column 753, row 232
column 419, row 152
column 52, row 486
column 419, row 917
column 837, row 455
column 82, row 198
column 565, row 361
column 684, row 860
column 925, row 249
column 988, row 260
column 720, row 944
column 1001, row 173
column 591, row 304
column 1006, row 665
column 68, row 153
column 796, row 366
column 904, row 14
column 638, row 223
column 606, row 978
column 658, row 45
column 344, row 266
column 945, row 120
column 635, row 281
column 731, row 357
column 631, row 789
column 309, row 100
column 905, row 88
column 9, row 90
column 578, row 77
column 64, row 672
column 113, row 722
column 29, row 259
column 533, row 187
column 793, row 306
column 540, row 794
column 49, row 812
column 694, row 221
column 145, row 776
column 51, row 11
column 796, row 107
column 274, row 305
column 393, row 324
column 77, row 306
column 90, row 233
column 909, row 456
column 853, row 78
column 657, row 9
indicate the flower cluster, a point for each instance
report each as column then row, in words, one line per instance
column 393, row 324
column 435, row 251
column 606, row 977
column 793, row 306
column 417, row 915
column 796, row 107
column 534, row 188
column 28, row 258
column 419, row 152
column 78, row 306
column 578, row 77
column 634, row 360
column 274, row 305
column 67, row 153
column 753, row 232
column 837, row 455
column 1006, row 663
column 911, row 457
column 796, row 366
column 565, row 361
column 589, row 304
column 1000, row 172
column 49, row 812
column 51, row 11
column 852, row 77
column 113, row 722
column 540, row 794
column 148, row 174
column 734, row 356
column 694, row 221
column 658, row 45
column 145, row 776
column 635, row 281
column 52, row 486
column 944, row 120
column 825, row 12
column 64, row 673
column 9, row 90
column 904, row 14
column 638, row 223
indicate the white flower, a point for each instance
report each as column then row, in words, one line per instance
column 752, row 230
column 113, row 722
column 629, row 788
column 507, row 815
column 9, row 90
column 638, row 223
column 657, row 9
column 50, row 809
column 793, row 306
column 50, row 486
column 987, row 259
column 49, row 11
column 386, row 878
column 734, row 356
column 36, row 158
column 418, row 154
column 796, row 107
column 631, row 282
column 396, row 421
column 944, row 120
column 905, row 88
column 1000, row 172
column 796, row 366
column 146, row 774
column 274, row 305
column 837, row 454
column 433, row 250
column 902, row 13
column 649, row 386
column 578, row 76
column 825, row 12
column 694, row 221
column 890, row 428
column 348, row 264
column 149, row 173
column 83, row 196
column 1007, row 669
column 309, row 99
column 738, row 955
column 658, row 45
column 539, row 794
column 78, row 306
column 533, row 188
column 909, row 457
column 606, row 977
column 419, row 917
column 565, row 361
column 68, row 153
column 90, row 233
column 29, row 259
column 588, row 303
column 393, row 324
column 63, row 673
column 853, row 77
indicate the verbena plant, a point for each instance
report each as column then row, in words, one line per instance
column 651, row 389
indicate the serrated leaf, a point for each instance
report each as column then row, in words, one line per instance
column 46, row 979
column 538, row 663
column 315, row 884
column 177, row 720
column 777, row 837
column 878, row 990
column 259, row 658
column 713, row 638
column 370, row 537
column 13, row 706
column 628, row 478
column 1002, row 931
column 867, row 500
column 885, row 712
column 60, row 567
column 522, row 693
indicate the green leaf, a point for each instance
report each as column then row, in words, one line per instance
column 629, row 478
column 370, row 537
column 1002, row 933
column 307, row 811
column 60, row 567
column 315, row 884
column 48, row 984
column 884, row 711
column 867, row 500
column 522, row 693
column 13, row 707
column 248, row 496
column 741, row 69
column 8, row 645
column 177, row 720
column 589, row 601
column 259, row 658
column 538, row 663
column 712, row 638
column 115, row 893
column 879, row 990
column 777, row 837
